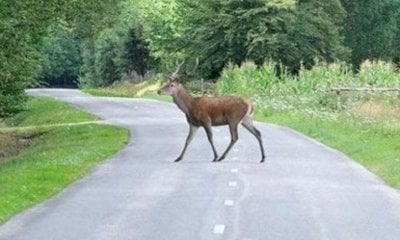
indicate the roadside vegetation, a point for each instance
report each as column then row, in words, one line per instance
column 365, row 125
column 147, row 89
column 40, row 154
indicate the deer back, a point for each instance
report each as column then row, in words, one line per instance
column 219, row 110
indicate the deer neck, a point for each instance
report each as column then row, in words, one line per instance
column 183, row 100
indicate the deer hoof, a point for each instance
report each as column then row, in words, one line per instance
column 215, row 160
column 220, row 159
column 262, row 160
column 178, row 159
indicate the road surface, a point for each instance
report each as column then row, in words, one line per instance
column 304, row 190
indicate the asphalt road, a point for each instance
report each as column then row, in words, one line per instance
column 304, row 190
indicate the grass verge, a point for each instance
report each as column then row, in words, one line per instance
column 56, row 155
column 146, row 89
column 47, row 111
column 105, row 92
column 375, row 146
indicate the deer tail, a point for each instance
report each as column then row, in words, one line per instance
column 250, row 108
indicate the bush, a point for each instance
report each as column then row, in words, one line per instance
column 248, row 80
column 12, row 101
column 309, row 92
column 17, row 72
column 323, row 76
column 378, row 74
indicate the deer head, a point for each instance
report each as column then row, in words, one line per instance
column 171, row 88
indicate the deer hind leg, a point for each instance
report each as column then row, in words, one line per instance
column 249, row 125
column 207, row 128
column 192, row 131
column 234, row 137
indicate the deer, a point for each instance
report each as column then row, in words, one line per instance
column 208, row 111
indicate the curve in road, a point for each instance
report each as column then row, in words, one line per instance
column 304, row 191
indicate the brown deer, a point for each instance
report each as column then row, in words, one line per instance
column 207, row 111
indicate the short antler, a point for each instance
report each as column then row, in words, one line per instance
column 174, row 75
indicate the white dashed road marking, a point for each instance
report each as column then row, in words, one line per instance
column 234, row 170
column 229, row 202
column 236, row 150
column 219, row 229
column 232, row 184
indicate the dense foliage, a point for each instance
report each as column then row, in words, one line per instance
column 372, row 29
column 23, row 24
column 61, row 59
column 117, row 52
column 98, row 43
column 234, row 31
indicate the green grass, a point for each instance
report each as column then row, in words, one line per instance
column 56, row 155
column 47, row 111
column 375, row 146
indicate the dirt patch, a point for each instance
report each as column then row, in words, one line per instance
column 378, row 110
column 11, row 143
column 127, row 88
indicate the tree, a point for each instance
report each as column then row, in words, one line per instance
column 291, row 32
column 60, row 58
column 163, row 23
column 106, row 68
column 372, row 29
column 134, row 55
column 22, row 26
column 117, row 51
column 314, row 33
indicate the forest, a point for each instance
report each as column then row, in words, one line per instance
column 75, row 43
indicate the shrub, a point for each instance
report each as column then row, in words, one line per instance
column 247, row 80
column 378, row 74
column 323, row 76
column 309, row 91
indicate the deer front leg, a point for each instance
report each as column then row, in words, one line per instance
column 207, row 128
column 192, row 131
